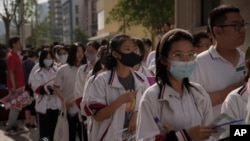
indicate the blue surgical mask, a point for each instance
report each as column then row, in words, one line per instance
column 47, row 62
column 63, row 58
column 180, row 70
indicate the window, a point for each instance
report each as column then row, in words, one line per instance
column 100, row 20
column 206, row 7
column 77, row 21
column 76, row 9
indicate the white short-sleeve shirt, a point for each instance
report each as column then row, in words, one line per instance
column 215, row 73
column 65, row 79
column 81, row 78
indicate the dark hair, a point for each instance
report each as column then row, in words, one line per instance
column 62, row 48
column 198, row 36
column 55, row 43
column 43, row 56
column 101, row 61
column 13, row 40
column 32, row 53
column 104, row 42
column 147, row 41
column 140, row 45
column 72, row 55
column 168, row 24
column 3, row 51
column 94, row 44
column 45, row 47
column 218, row 15
column 114, row 45
column 163, row 49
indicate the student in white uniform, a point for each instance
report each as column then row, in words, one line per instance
column 151, row 59
column 64, row 86
column 235, row 103
column 174, row 101
column 115, row 94
column 46, row 101
column 82, row 73
column 36, row 67
column 139, row 67
column 62, row 53
column 220, row 69
column 99, row 67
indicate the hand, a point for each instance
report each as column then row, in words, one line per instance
column 13, row 91
column 168, row 127
column 200, row 132
column 128, row 97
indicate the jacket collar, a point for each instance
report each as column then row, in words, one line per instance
column 167, row 92
column 114, row 81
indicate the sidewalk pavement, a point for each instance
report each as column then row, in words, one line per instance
column 31, row 135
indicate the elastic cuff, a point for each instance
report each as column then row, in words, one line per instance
column 182, row 136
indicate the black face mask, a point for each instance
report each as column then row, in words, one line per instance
column 130, row 59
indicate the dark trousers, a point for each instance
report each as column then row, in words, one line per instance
column 76, row 126
column 47, row 123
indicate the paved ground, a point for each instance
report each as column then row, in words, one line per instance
column 31, row 135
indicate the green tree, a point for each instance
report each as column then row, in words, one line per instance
column 151, row 14
column 26, row 11
column 7, row 14
column 41, row 33
column 79, row 36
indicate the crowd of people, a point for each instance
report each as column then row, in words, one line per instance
column 119, row 90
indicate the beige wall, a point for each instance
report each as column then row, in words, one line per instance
column 107, row 5
column 187, row 15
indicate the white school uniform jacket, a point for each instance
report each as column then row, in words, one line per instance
column 81, row 78
column 105, row 89
column 86, row 92
column 235, row 105
column 146, row 72
column 192, row 109
column 236, row 102
column 44, row 77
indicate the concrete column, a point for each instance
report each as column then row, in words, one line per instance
column 184, row 14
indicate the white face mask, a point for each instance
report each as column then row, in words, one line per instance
column 47, row 62
column 63, row 58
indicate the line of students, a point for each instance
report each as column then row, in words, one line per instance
column 115, row 91
column 173, row 98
